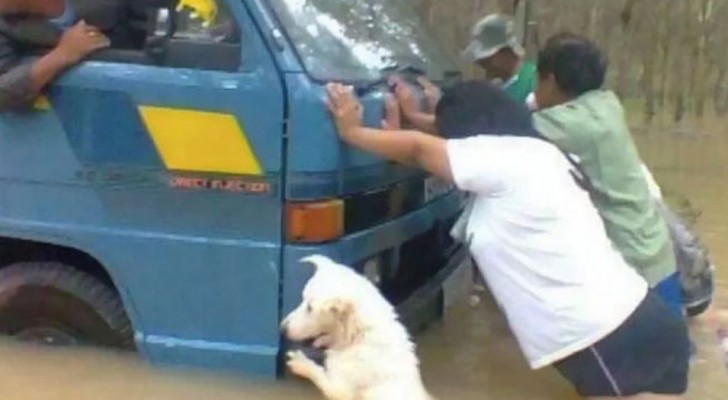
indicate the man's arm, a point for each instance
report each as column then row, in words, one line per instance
column 15, row 78
column 411, row 148
column 23, row 80
column 22, row 84
column 421, row 120
column 403, row 146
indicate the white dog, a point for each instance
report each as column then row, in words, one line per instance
column 368, row 353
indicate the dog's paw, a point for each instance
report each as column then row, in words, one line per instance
column 299, row 364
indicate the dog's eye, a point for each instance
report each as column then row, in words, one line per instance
column 309, row 309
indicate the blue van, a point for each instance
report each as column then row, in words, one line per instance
column 160, row 198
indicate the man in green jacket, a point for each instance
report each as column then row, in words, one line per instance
column 495, row 47
column 589, row 123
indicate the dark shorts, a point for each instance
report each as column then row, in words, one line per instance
column 649, row 353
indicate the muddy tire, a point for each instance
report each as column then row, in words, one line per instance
column 55, row 304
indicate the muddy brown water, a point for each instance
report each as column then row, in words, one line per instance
column 471, row 355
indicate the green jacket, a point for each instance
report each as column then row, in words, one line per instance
column 523, row 83
column 593, row 128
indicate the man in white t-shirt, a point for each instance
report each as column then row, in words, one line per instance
column 569, row 297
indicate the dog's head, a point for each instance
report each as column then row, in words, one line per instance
column 334, row 300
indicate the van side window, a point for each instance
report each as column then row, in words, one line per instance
column 195, row 44
column 222, row 28
column 178, row 38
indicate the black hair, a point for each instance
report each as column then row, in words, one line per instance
column 577, row 63
column 479, row 108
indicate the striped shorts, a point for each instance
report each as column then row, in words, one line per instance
column 649, row 353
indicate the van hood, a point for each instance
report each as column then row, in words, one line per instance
column 319, row 164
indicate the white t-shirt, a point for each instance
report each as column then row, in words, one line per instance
column 541, row 246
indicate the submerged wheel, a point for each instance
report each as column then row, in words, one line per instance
column 56, row 304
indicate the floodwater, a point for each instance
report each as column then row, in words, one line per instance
column 470, row 356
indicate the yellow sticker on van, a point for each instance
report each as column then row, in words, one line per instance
column 200, row 141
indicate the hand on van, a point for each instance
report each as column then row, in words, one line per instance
column 432, row 93
column 406, row 147
column 410, row 105
column 345, row 108
column 392, row 114
column 79, row 42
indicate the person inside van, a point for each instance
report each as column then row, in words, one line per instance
column 570, row 298
column 62, row 32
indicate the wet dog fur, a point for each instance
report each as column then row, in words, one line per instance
column 368, row 352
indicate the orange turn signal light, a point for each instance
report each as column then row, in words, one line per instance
column 314, row 222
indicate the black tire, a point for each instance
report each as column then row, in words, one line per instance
column 55, row 304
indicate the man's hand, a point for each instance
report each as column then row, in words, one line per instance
column 345, row 108
column 432, row 93
column 76, row 44
column 408, row 102
column 79, row 41
column 392, row 114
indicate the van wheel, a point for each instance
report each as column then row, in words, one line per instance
column 55, row 304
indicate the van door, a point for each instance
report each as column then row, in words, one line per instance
column 179, row 182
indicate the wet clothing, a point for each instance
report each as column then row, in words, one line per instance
column 695, row 269
column 669, row 291
column 541, row 246
column 649, row 353
column 522, row 85
column 594, row 129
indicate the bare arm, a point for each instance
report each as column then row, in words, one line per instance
column 411, row 148
column 403, row 146
column 421, row 120
column 46, row 69
column 22, row 81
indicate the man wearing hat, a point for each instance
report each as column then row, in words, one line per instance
column 495, row 47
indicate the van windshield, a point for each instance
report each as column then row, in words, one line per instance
column 358, row 40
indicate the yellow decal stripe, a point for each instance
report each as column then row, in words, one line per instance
column 192, row 140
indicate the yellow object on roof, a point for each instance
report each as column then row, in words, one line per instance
column 206, row 10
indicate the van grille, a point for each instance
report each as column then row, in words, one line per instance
column 419, row 260
column 364, row 211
